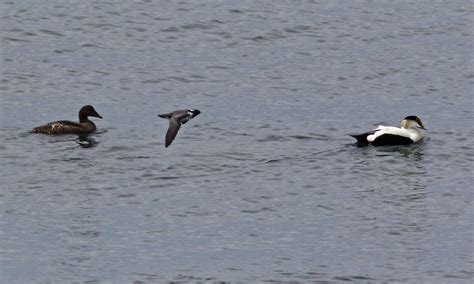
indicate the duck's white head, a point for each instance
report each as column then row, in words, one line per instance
column 412, row 121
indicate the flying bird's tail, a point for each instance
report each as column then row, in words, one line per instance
column 165, row 115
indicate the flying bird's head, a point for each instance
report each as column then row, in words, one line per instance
column 193, row 112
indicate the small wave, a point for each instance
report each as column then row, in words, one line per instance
column 15, row 39
column 126, row 195
column 218, row 67
column 320, row 137
column 256, row 211
column 179, row 79
column 133, row 158
column 273, row 138
column 237, row 156
column 236, row 11
column 52, row 33
column 170, row 30
column 61, row 51
column 197, row 25
column 154, row 81
column 119, row 149
column 352, row 278
column 88, row 45
column 277, row 160
column 300, row 137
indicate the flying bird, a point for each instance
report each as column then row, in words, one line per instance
column 177, row 118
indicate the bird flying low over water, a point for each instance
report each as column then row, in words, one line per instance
column 85, row 126
column 389, row 135
column 177, row 118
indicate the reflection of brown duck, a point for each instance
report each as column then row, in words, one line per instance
column 177, row 118
column 85, row 126
column 390, row 135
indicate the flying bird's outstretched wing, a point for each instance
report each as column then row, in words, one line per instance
column 172, row 131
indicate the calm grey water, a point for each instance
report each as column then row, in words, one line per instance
column 265, row 185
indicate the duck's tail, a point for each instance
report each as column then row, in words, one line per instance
column 361, row 138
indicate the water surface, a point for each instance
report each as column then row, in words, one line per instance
column 265, row 185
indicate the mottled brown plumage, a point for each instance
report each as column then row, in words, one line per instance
column 85, row 126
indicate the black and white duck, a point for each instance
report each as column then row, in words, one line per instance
column 409, row 132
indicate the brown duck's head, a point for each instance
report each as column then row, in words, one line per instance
column 87, row 111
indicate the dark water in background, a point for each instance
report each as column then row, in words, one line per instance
column 263, row 186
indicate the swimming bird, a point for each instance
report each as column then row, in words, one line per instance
column 85, row 126
column 177, row 118
column 389, row 135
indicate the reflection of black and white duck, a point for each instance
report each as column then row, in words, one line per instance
column 177, row 118
column 389, row 135
column 85, row 126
